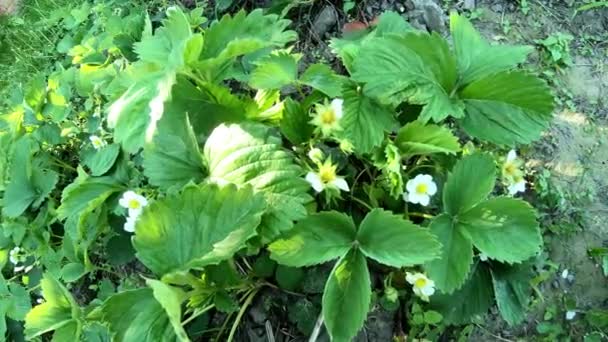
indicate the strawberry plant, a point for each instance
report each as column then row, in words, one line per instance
column 159, row 161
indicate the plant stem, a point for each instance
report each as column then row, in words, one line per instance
column 244, row 307
column 317, row 329
column 363, row 203
column 197, row 313
column 423, row 215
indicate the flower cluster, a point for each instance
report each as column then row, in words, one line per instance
column 512, row 174
column 135, row 204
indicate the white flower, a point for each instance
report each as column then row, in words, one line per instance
column 16, row 256
column 133, row 201
column 326, row 178
column 130, row 224
column 518, row 185
column 570, row 315
column 423, row 287
column 97, row 142
column 420, row 189
column 327, row 117
column 565, row 274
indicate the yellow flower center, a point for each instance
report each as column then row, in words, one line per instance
column 327, row 174
column 328, row 116
column 420, row 283
column 422, row 188
column 134, row 204
column 510, row 169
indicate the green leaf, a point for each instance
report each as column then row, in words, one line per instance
column 470, row 182
column 503, row 228
column 275, row 71
column 512, row 290
column 251, row 154
column 170, row 298
column 86, row 194
column 15, row 300
column 315, row 239
column 30, row 182
column 201, row 226
column 58, row 310
column 474, row 298
column 507, row 108
column 393, row 241
column 135, row 114
column 321, row 77
column 348, row 48
column 289, row 278
column 168, row 44
column 240, row 35
column 173, row 158
column 295, row 124
column 477, row 58
column 416, row 138
column 72, row 271
column 365, row 120
column 136, row 315
column 450, row 270
column 347, row 297
column 101, row 161
column 414, row 67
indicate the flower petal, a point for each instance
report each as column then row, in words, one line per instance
column 340, row 183
column 315, row 181
column 432, row 188
column 336, row 105
column 511, row 156
column 424, row 200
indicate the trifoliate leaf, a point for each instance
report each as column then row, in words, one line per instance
column 170, row 298
column 346, row 297
column 214, row 222
column 58, row 310
column 512, row 290
column 413, row 67
column 416, row 138
column 101, row 161
column 136, row 315
column 173, row 158
column 135, row 114
column 393, row 241
column 365, row 121
column 250, row 154
column 323, row 79
column 474, row 298
column 476, row 57
column 451, row 269
column 507, row 108
column 470, row 182
column 315, row 239
column 275, row 71
column 503, row 228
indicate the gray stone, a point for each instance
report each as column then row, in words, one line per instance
column 468, row 4
column 432, row 14
column 325, row 20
